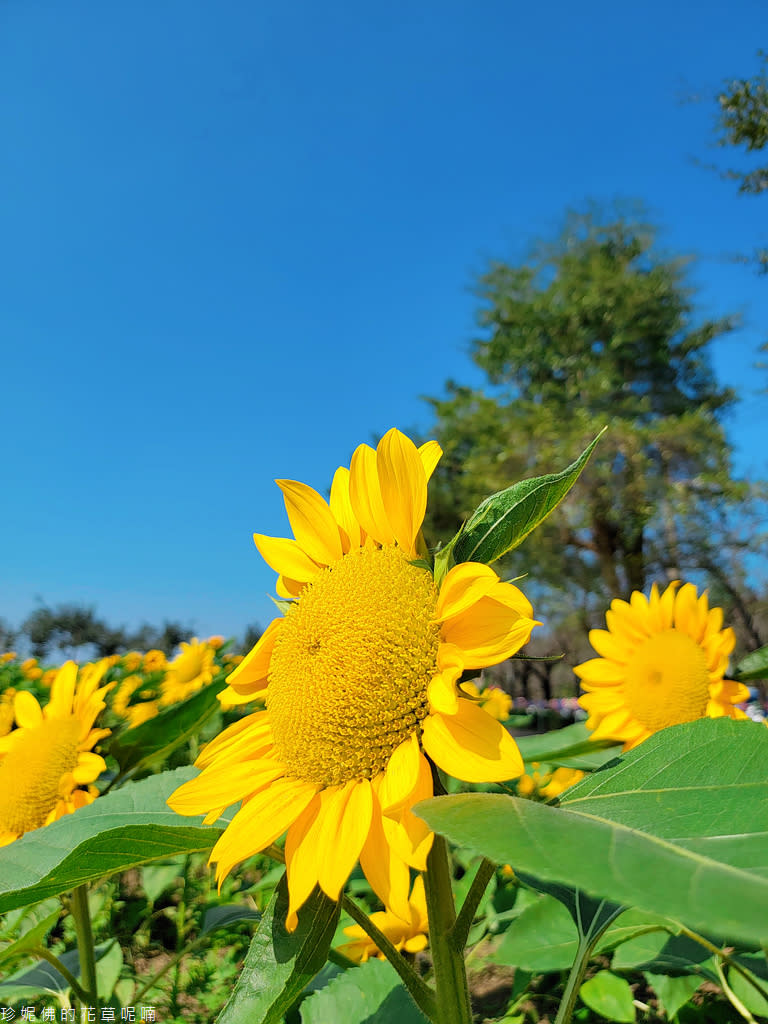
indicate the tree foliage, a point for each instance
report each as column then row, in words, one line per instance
column 743, row 123
column 595, row 329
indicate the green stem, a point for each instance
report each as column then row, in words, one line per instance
column 575, row 978
column 472, row 901
column 85, row 948
column 71, row 980
column 421, row 993
column 452, row 990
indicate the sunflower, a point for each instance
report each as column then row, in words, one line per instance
column 409, row 935
column 189, row 672
column 49, row 757
column 662, row 662
column 360, row 680
column 491, row 699
column 549, row 783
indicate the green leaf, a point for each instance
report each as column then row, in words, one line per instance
column 43, row 977
column 125, row 828
column 369, row 994
column 665, row 954
column 564, row 745
column 673, row 992
column 609, row 995
column 505, row 519
column 33, row 924
column 747, row 994
column 222, row 917
column 754, row 666
column 108, row 968
column 152, row 741
column 678, row 827
column 279, row 964
column 156, row 878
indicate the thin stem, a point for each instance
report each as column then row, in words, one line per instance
column 452, row 990
column 731, row 996
column 575, row 977
column 85, row 948
column 721, row 955
column 53, row 960
column 422, row 994
column 472, row 901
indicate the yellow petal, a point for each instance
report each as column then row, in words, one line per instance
column 400, row 776
column 441, row 690
column 288, row 588
column 346, row 822
column 223, row 785
column 465, row 584
column 250, row 676
column 403, row 486
column 430, row 453
column 88, row 768
column 62, row 692
column 312, row 522
column 600, row 672
column 341, row 507
column 608, row 646
column 410, row 837
column 301, row 858
column 492, row 629
column 286, row 557
column 260, row 822
column 27, row 710
column 471, row 745
column 387, row 873
column 365, row 495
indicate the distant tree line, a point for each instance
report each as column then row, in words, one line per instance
column 75, row 630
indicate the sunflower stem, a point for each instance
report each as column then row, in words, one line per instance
column 81, row 915
column 421, row 993
column 53, row 960
column 452, row 990
column 472, row 901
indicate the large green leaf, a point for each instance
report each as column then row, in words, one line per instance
column 753, row 666
column 279, row 964
column 369, row 994
column 152, row 741
column 678, row 827
column 127, row 827
column 609, row 996
column 562, row 746
column 505, row 519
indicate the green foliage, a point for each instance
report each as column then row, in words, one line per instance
column 369, row 994
column 279, row 964
column 671, row 829
column 594, row 329
column 504, row 520
column 754, row 666
column 609, row 995
column 130, row 826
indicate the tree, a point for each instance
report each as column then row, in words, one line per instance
column 742, row 122
column 595, row 329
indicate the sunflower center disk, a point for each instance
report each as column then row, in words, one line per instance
column 31, row 772
column 349, row 673
column 667, row 681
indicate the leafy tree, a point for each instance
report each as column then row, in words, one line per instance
column 743, row 123
column 595, row 329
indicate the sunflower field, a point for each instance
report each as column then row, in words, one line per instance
column 351, row 824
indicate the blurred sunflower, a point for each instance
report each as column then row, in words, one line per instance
column 662, row 663
column 189, row 671
column 409, row 935
column 49, row 757
column 491, row 699
column 547, row 784
column 360, row 682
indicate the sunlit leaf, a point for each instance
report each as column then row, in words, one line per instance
column 505, row 519
column 678, row 827
column 754, row 666
column 369, row 994
column 609, row 995
column 280, row 964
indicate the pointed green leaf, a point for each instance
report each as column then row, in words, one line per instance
column 31, row 924
column 678, row 827
column 222, row 917
column 125, row 828
column 369, row 994
column 609, row 995
column 152, row 741
column 505, row 519
column 754, row 666
column 564, row 744
column 673, row 992
column 280, row 964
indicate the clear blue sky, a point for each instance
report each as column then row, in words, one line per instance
column 239, row 238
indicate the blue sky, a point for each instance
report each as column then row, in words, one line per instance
column 240, row 238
